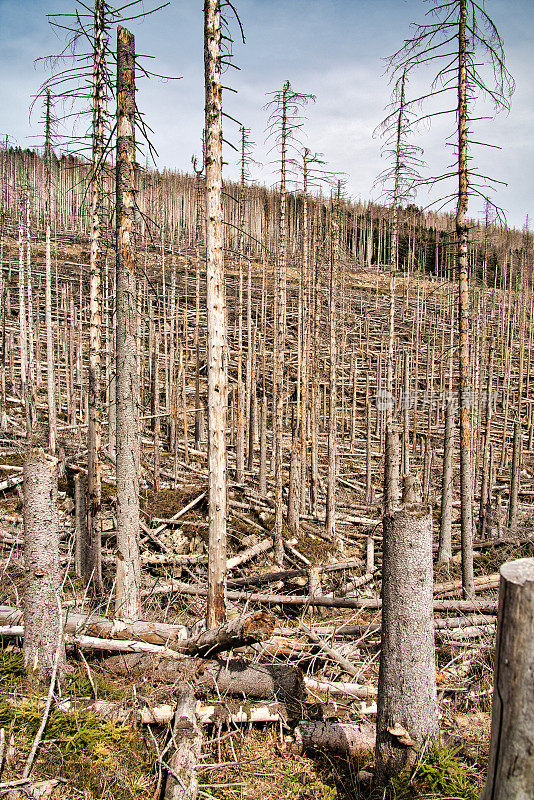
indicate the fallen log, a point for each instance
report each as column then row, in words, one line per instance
column 238, row 632
column 233, row 676
column 339, row 737
column 218, row 713
column 247, row 555
column 481, row 582
column 343, row 662
column 481, row 606
column 181, row 780
column 10, row 482
column 357, row 690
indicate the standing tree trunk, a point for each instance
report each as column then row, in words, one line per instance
column 445, row 527
column 279, row 344
column 42, row 585
column 513, row 507
column 407, row 697
column 127, row 599
column 466, row 482
column 511, row 759
column 216, row 324
column 50, row 384
column 330, row 518
column 94, row 565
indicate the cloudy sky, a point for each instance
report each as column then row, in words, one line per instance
column 331, row 48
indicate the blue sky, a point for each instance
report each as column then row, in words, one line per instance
column 331, row 48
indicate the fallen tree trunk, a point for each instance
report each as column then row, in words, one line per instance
column 181, row 781
column 482, row 606
column 239, row 632
column 339, row 737
column 256, row 681
column 482, row 582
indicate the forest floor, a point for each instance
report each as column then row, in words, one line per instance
column 87, row 755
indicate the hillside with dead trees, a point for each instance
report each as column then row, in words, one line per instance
column 266, row 459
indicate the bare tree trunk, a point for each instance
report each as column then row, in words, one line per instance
column 42, row 586
column 407, row 696
column 216, row 326
column 127, row 597
column 182, row 779
column 279, row 344
column 50, row 383
column 445, row 527
column 95, row 299
column 511, row 758
column 330, row 518
column 466, row 482
column 513, row 508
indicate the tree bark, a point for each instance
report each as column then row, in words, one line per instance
column 466, row 482
column 407, row 697
column 445, row 526
column 127, row 598
column 216, row 325
column 182, row 778
column 511, row 760
column 42, row 584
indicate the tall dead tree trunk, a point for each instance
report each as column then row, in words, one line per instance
column 279, row 342
column 466, row 482
column 216, row 322
column 330, row 519
column 445, row 528
column 42, row 586
column 50, row 384
column 94, row 565
column 127, row 597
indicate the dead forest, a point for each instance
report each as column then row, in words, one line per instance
column 264, row 453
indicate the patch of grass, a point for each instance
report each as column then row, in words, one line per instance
column 99, row 758
column 79, row 685
column 440, row 772
column 11, row 668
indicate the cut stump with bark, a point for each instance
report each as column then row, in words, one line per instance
column 511, row 760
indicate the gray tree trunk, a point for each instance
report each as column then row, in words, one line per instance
column 127, row 597
column 42, row 582
column 407, row 697
column 445, row 527
column 511, row 760
column 216, row 324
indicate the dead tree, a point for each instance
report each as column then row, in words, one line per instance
column 511, row 759
column 216, row 321
column 50, row 383
column 43, row 635
column 283, row 123
column 127, row 597
column 465, row 28
column 407, row 715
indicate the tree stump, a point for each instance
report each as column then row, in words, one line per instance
column 407, row 710
column 42, row 579
column 511, row 760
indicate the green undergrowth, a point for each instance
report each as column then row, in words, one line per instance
column 95, row 757
column 77, row 683
column 11, row 668
column 442, row 773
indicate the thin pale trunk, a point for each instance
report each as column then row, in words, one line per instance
column 127, row 597
column 466, row 488
column 216, row 325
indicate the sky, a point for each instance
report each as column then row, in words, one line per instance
column 334, row 49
